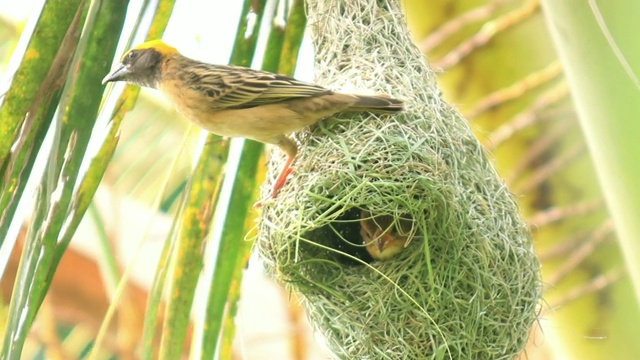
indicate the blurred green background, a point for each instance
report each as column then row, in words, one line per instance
column 550, row 88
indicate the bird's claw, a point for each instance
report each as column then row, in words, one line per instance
column 280, row 181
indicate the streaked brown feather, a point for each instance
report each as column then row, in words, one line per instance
column 230, row 87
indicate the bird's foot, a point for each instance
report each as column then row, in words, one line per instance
column 280, row 181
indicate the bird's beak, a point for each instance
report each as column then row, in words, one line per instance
column 117, row 74
column 381, row 241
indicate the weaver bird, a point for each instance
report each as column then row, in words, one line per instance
column 381, row 235
column 235, row 101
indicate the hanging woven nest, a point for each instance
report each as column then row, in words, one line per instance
column 465, row 283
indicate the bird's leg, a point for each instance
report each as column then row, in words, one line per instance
column 279, row 183
column 282, row 178
column 291, row 149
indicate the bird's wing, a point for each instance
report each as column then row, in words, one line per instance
column 231, row 87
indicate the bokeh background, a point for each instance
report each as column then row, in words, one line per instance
column 550, row 88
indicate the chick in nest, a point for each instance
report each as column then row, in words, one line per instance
column 384, row 238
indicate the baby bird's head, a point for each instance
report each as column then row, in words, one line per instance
column 383, row 236
column 142, row 65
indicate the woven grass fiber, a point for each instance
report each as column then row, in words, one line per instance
column 467, row 286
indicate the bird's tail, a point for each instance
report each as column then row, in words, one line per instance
column 377, row 104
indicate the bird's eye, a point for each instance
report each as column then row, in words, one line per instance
column 130, row 56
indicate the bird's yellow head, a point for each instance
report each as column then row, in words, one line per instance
column 142, row 64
